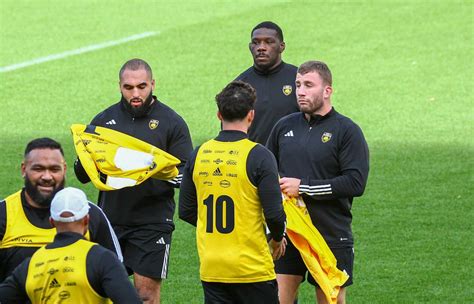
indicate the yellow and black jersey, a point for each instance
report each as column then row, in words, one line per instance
column 69, row 270
column 229, row 195
column 23, row 229
column 60, row 274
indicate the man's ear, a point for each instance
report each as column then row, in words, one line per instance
column 86, row 224
column 282, row 46
column 250, row 116
column 51, row 221
column 219, row 115
column 23, row 169
column 327, row 91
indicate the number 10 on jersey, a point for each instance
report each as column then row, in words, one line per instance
column 224, row 209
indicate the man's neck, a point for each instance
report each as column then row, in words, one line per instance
column 321, row 112
column 235, row 126
column 269, row 69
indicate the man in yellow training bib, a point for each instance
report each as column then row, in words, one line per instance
column 229, row 189
column 71, row 269
column 24, row 215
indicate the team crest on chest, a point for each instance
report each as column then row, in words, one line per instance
column 326, row 137
column 287, row 89
column 153, row 124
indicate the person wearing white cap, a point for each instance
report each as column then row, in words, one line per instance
column 70, row 269
column 24, row 215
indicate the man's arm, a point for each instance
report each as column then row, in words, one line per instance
column 272, row 141
column 102, row 231
column 3, row 219
column 12, row 290
column 108, row 276
column 3, row 228
column 80, row 172
column 354, row 163
column 78, row 168
column 263, row 173
column 187, row 209
column 180, row 146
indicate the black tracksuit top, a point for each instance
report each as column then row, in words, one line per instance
column 330, row 156
column 151, row 202
column 275, row 98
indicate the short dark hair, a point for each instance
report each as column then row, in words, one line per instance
column 43, row 143
column 236, row 100
column 135, row 64
column 319, row 67
column 269, row 25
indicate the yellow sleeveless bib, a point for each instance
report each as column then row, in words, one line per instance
column 230, row 237
column 59, row 275
column 125, row 160
column 19, row 231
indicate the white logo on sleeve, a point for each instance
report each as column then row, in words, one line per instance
column 289, row 134
column 111, row 122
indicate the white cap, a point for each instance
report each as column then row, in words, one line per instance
column 69, row 200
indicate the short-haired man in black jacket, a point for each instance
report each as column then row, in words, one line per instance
column 142, row 216
column 323, row 157
column 273, row 79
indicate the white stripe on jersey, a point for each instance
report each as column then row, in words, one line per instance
column 316, row 190
column 177, row 180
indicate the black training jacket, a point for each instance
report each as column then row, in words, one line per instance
column 330, row 156
column 275, row 98
column 151, row 202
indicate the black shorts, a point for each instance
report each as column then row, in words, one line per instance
column 240, row 293
column 292, row 263
column 145, row 251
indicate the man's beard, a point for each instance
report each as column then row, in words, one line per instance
column 141, row 110
column 37, row 197
column 315, row 104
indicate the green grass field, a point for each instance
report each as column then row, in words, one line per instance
column 402, row 69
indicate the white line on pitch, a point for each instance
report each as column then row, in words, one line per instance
column 78, row 51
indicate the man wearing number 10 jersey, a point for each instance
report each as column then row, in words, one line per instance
column 229, row 190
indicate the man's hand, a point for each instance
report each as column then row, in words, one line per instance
column 277, row 249
column 290, row 186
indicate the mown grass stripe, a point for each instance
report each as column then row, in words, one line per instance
column 82, row 50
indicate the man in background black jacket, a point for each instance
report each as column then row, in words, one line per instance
column 142, row 216
column 273, row 79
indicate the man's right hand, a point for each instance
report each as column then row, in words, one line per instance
column 277, row 249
